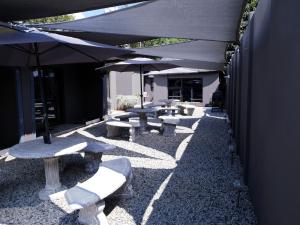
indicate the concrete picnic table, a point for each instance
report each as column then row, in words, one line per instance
column 170, row 110
column 143, row 117
column 50, row 153
column 168, row 102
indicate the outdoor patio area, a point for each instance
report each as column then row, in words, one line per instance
column 183, row 180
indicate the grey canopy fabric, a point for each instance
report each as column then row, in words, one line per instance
column 193, row 19
column 143, row 64
column 16, row 48
column 198, row 64
column 12, row 10
column 110, row 39
column 209, row 51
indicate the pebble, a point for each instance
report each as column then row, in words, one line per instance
column 190, row 188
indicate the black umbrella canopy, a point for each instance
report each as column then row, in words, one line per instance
column 110, row 39
column 140, row 65
column 20, row 46
column 13, row 10
column 134, row 65
column 193, row 19
column 16, row 48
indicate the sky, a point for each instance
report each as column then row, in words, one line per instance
column 99, row 11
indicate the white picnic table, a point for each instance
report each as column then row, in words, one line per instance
column 168, row 102
column 50, row 153
column 169, row 110
column 143, row 117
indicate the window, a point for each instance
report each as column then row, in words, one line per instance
column 183, row 89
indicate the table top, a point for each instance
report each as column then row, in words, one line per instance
column 168, row 108
column 140, row 110
column 96, row 147
column 167, row 101
column 37, row 149
column 126, row 115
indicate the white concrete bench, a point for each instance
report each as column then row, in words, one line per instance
column 88, row 197
column 189, row 108
column 169, row 124
column 126, row 116
column 114, row 129
column 93, row 155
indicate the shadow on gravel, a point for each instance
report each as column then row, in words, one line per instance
column 200, row 189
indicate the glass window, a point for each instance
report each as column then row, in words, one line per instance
column 185, row 89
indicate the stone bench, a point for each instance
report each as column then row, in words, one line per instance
column 126, row 116
column 114, row 129
column 112, row 176
column 189, row 108
column 93, row 155
column 169, row 124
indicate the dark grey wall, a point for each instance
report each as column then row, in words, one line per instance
column 9, row 118
column 82, row 93
column 268, row 123
column 210, row 84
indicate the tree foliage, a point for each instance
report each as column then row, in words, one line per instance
column 158, row 42
column 54, row 19
column 250, row 7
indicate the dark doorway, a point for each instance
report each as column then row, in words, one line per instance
column 52, row 86
column 9, row 117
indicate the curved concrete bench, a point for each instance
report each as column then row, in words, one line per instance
column 114, row 129
column 126, row 116
column 89, row 196
column 93, row 155
column 189, row 108
column 169, row 124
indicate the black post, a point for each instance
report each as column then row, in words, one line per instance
column 141, row 85
column 46, row 133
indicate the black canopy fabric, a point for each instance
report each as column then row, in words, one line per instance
column 110, row 39
column 216, row 20
column 199, row 64
column 208, row 51
column 12, row 10
column 16, row 48
column 20, row 46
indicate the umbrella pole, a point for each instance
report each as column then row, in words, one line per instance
column 46, row 133
column 141, row 86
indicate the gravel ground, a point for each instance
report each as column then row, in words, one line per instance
column 183, row 180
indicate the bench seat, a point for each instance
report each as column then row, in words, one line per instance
column 189, row 108
column 169, row 124
column 114, row 129
column 89, row 196
column 93, row 155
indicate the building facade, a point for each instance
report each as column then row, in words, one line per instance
column 196, row 87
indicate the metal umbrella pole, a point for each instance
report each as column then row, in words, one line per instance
column 141, row 86
column 46, row 133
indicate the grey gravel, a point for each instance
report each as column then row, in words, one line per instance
column 181, row 180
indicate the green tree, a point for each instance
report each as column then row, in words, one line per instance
column 54, row 19
column 250, row 7
column 157, row 42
